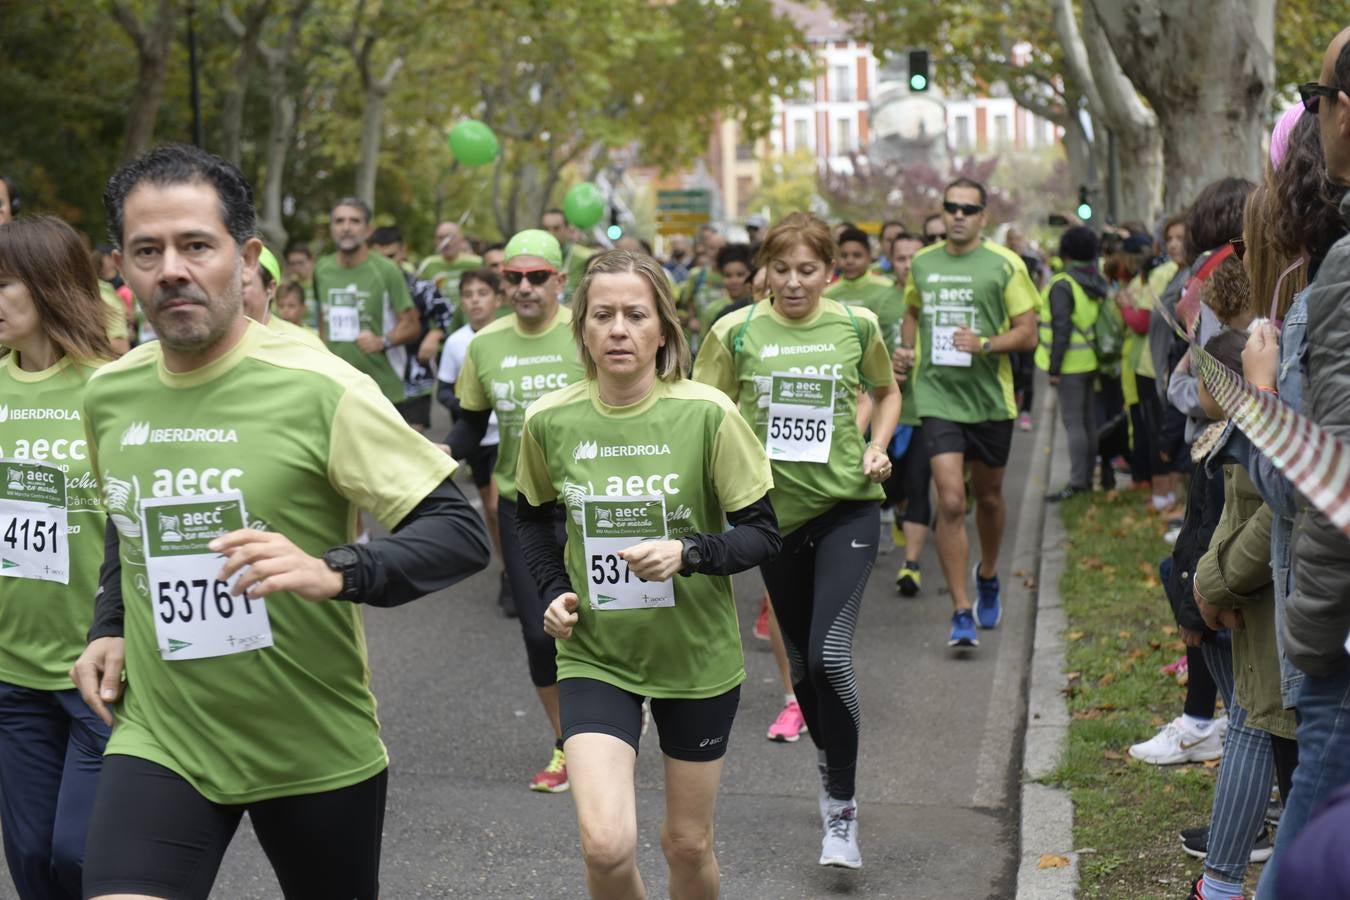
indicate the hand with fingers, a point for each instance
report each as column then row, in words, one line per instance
column 654, row 560
column 268, row 562
column 561, row 616
column 97, row 675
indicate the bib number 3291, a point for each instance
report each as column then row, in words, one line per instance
column 612, row 524
column 801, row 417
column 946, row 321
column 195, row 614
column 33, row 522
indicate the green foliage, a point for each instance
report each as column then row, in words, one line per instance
column 562, row 85
column 788, row 185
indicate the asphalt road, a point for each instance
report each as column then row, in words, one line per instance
column 937, row 772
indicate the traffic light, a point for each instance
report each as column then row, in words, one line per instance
column 615, row 230
column 1084, row 203
column 918, row 70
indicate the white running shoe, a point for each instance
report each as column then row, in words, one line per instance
column 839, row 847
column 1179, row 743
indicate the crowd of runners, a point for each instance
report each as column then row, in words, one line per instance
column 215, row 454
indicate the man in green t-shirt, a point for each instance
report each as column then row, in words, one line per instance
column 232, row 461
column 574, row 255
column 969, row 303
column 451, row 259
column 509, row 364
column 859, row 286
column 367, row 314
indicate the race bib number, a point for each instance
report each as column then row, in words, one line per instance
column 196, row 616
column 612, row 524
column 946, row 320
column 33, row 523
column 344, row 323
column 801, row 417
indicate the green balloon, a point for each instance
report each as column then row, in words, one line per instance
column 584, row 204
column 473, row 143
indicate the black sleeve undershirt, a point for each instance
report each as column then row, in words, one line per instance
column 468, row 431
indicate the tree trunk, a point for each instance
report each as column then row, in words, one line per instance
column 247, row 30
column 1113, row 103
column 1205, row 68
column 282, row 90
column 152, row 51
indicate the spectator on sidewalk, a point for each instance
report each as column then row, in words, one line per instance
column 1318, row 612
column 1068, row 314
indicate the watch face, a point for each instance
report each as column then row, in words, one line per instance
column 340, row 557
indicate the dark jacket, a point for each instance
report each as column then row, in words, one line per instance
column 1061, row 307
column 1204, row 505
column 1317, row 614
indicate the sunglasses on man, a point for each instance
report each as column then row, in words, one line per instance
column 966, row 209
column 537, row 277
column 1312, row 92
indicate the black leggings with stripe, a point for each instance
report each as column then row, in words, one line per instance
column 816, row 585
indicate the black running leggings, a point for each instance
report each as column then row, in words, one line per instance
column 540, row 649
column 152, row 833
column 816, row 585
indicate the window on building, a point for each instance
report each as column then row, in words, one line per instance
column 744, row 152
column 962, row 132
column 844, row 136
column 1001, row 135
column 801, row 134
column 843, row 84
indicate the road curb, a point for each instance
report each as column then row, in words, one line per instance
column 1047, row 812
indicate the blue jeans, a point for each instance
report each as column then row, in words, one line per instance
column 51, row 752
column 1323, row 761
column 1243, row 789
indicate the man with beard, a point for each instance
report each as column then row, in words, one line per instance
column 368, row 315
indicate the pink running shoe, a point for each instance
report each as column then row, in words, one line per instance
column 789, row 725
column 762, row 623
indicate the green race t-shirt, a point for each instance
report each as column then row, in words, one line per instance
column 306, row 440
column 307, row 336
column 829, row 342
column 686, row 443
column 445, row 275
column 880, row 295
column 506, row 370
column 703, row 294
column 378, row 293
column 983, row 289
column 43, row 623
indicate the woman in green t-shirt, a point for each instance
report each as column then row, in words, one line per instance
column 650, row 466
column 53, row 336
column 796, row 364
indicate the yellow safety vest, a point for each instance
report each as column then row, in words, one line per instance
column 1080, row 357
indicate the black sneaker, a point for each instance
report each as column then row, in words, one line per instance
column 1065, row 493
column 1195, row 842
column 505, row 599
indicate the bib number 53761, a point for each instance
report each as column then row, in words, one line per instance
column 196, row 616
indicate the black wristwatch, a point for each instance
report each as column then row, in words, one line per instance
column 343, row 559
column 986, row 346
column 691, row 557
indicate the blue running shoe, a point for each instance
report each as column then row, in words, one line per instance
column 988, row 608
column 963, row 630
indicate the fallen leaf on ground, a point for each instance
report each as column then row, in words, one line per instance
column 1112, row 754
column 1212, row 763
column 1029, row 583
column 1169, row 630
column 1074, row 636
column 1052, row 861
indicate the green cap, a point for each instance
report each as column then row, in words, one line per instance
column 535, row 242
column 267, row 260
